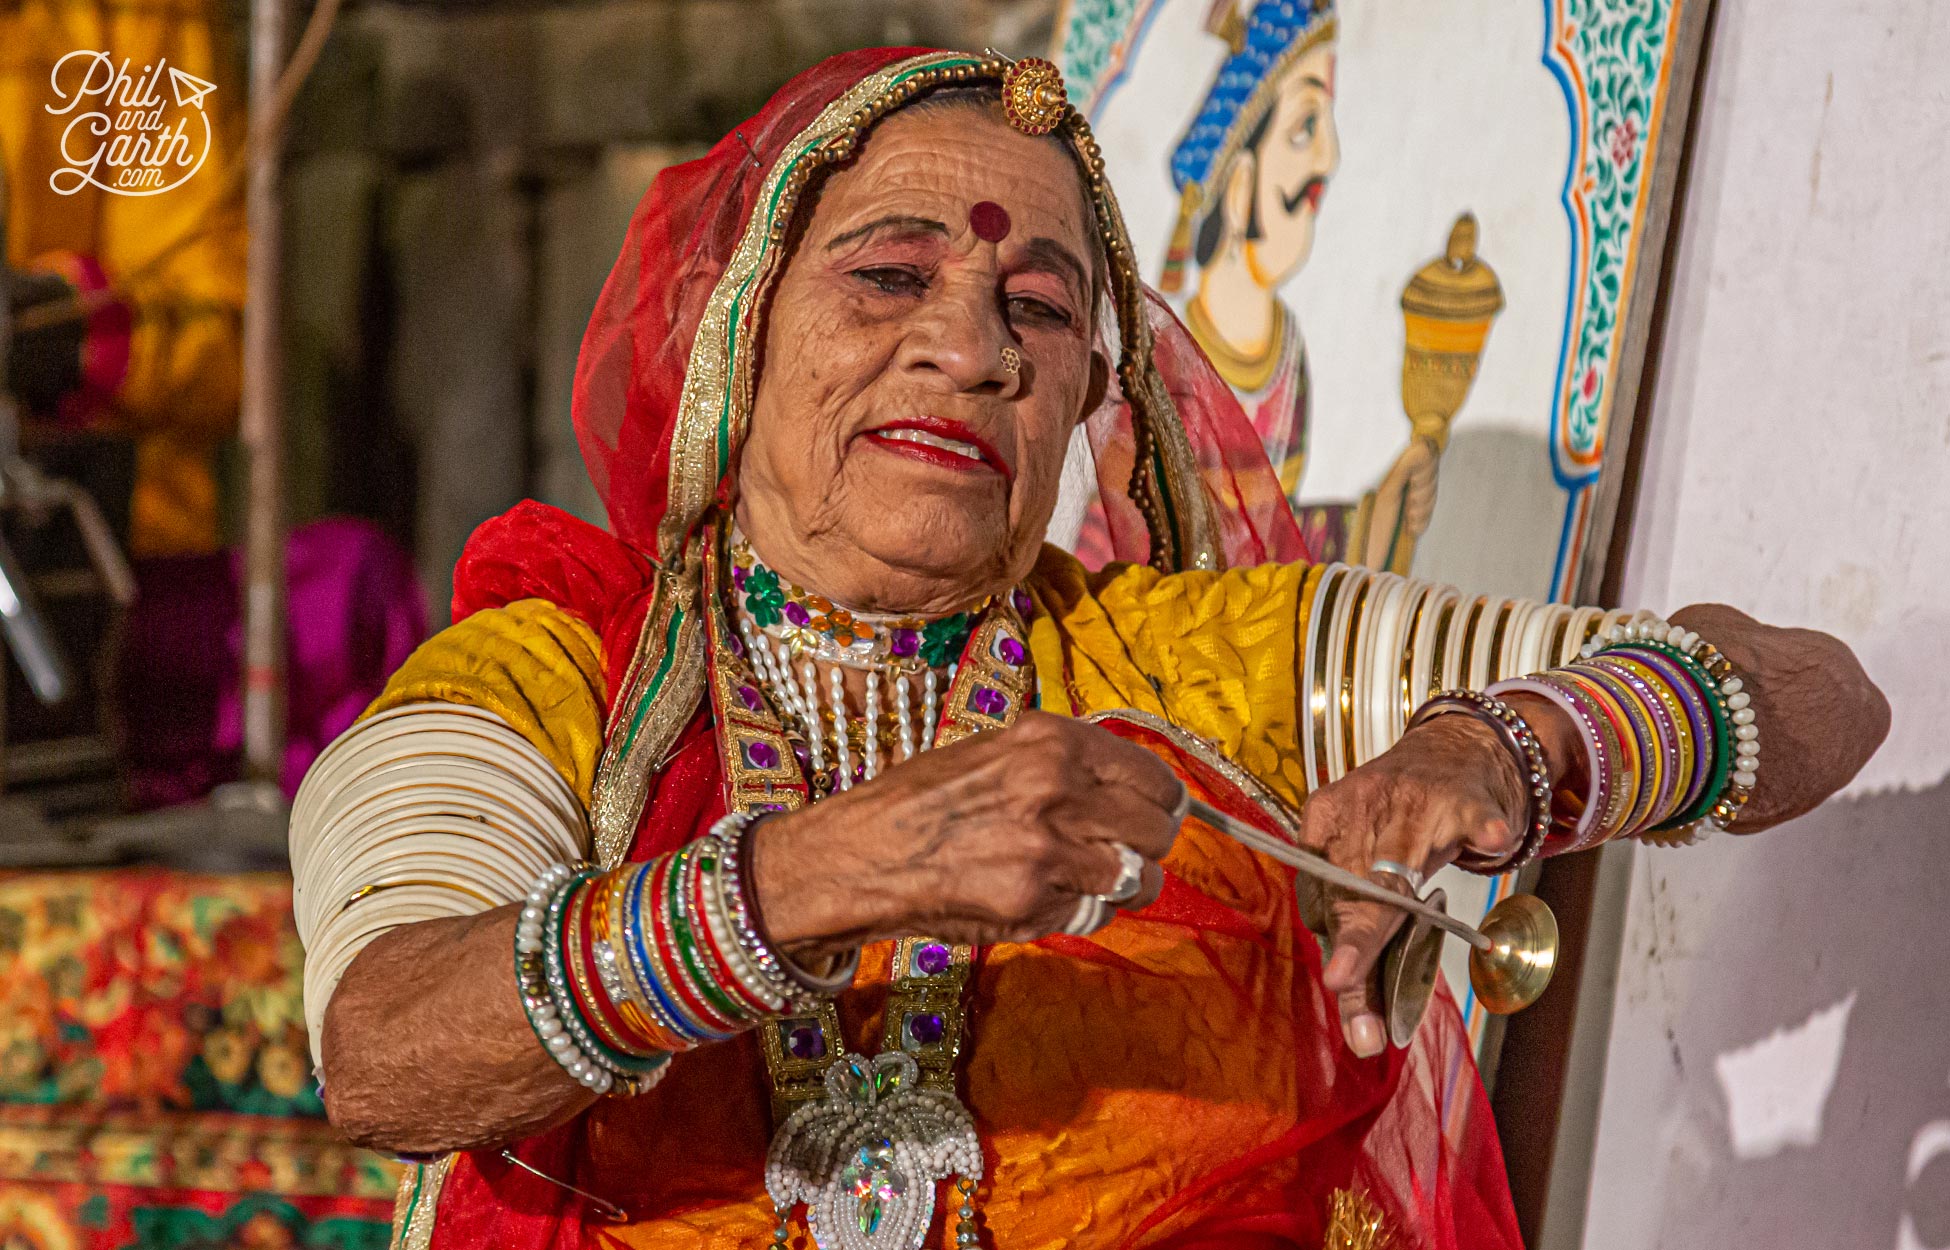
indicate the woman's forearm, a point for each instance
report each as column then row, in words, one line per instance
column 426, row 1047
column 1820, row 717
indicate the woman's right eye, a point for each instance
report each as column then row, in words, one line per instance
column 892, row 279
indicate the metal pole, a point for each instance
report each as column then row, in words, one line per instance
column 261, row 419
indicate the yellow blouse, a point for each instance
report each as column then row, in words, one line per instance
column 1217, row 654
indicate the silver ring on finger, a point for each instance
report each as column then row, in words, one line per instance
column 1130, row 877
column 1092, row 914
column 1396, row 869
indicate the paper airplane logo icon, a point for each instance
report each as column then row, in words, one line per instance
column 189, row 89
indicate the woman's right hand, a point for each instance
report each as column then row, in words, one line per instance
column 991, row 840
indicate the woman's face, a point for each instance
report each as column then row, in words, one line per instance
column 895, row 462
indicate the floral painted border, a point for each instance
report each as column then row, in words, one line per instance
column 1613, row 59
column 1096, row 38
column 44, row 1216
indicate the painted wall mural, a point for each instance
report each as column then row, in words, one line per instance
column 1421, row 243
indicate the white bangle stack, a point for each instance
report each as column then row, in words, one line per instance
column 418, row 813
column 1377, row 646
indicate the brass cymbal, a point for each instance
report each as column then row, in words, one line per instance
column 1513, row 972
column 1410, row 964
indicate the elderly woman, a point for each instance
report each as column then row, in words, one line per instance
column 809, row 847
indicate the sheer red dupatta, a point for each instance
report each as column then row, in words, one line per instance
column 1254, row 520
column 1410, row 1132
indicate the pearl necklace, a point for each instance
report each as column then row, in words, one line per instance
column 828, row 729
column 801, row 660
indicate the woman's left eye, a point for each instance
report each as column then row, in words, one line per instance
column 1037, row 310
column 892, row 279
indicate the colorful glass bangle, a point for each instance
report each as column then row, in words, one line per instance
column 583, row 984
column 1651, row 754
column 569, row 986
column 1578, row 828
column 1744, row 733
column 686, row 1036
column 737, row 830
column 613, row 967
column 732, row 914
column 694, row 886
column 1673, row 777
column 556, row 978
column 1723, row 753
column 1666, row 705
column 1707, row 687
column 1673, row 689
column 611, row 1014
column 640, row 946
column 727, row 964
column 1612, row 794
column 660, row 942
column 669, row 954
column 1611, row 718
column 676, row 957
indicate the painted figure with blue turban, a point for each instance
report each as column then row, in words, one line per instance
column 1250, row 173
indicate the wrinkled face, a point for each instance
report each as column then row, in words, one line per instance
column 1299, row 153
column 895, row 461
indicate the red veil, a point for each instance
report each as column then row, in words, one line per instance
column 630, row 377
column 659, row 400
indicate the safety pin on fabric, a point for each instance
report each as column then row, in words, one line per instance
column 610, row 1211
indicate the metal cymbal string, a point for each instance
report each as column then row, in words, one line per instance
column 1333, row 874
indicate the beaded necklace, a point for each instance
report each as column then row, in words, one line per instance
column 861, row 1142
column 800, row 643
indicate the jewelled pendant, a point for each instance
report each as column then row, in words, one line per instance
column 865, row 1159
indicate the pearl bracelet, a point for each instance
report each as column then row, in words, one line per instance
column 537, row 1002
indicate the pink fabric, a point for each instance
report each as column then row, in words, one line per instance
column 355, row 614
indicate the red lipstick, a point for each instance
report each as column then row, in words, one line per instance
column 974, row 454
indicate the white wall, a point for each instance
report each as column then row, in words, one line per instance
column 1777, row 1071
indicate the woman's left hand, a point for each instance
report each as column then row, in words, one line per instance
column 1447, row 784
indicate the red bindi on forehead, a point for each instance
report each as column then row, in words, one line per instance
column 990, row 221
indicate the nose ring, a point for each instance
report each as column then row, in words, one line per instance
column 1012, row 360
